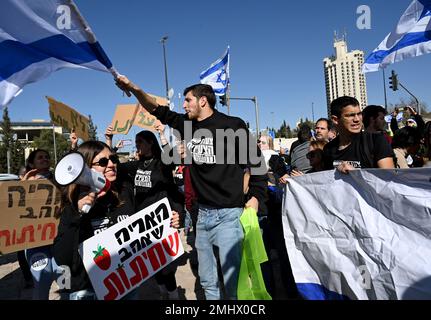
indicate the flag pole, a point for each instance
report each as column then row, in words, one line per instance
column 384, row 89
column 91, row 37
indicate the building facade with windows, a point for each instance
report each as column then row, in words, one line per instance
column 343, row 74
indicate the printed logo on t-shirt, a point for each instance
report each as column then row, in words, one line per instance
column 354, row 164
column 202, row 150
column 38, row 261
column 143, row 179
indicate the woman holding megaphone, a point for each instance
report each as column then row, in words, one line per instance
column 85, row 213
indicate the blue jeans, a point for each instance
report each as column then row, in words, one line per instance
column 44, row 270
column 220, row 228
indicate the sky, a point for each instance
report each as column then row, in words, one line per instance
column 277, row 49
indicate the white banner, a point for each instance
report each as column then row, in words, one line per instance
column 130, row 252
column 365, row 235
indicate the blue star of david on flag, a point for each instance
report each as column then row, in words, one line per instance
column 410, row 38
column 217, row 75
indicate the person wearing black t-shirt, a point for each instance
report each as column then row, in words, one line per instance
column 354, row 149
column 217, row 180
column 152, row 182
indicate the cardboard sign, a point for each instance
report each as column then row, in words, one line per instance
column 127, row 115
column 66, row 117
column 130, row 252
column 27, row 214
column 123, row 118
column 145, row 120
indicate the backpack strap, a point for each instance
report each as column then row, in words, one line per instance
column 367, row 143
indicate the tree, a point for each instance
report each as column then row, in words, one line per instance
column 92, row 129
column 10, row 143
column 46, row 141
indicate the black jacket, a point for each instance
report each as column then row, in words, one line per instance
column 74, row 228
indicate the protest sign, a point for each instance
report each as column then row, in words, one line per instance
column 126, row 142
column 145, row 120
column 66, row 117
column 27, row 214
column 123, row 118
column 125, row 255
column 362, row 235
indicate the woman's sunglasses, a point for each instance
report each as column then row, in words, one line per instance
column 103, row 162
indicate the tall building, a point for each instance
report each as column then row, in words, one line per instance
column 343, row 74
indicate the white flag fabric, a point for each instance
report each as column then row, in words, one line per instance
column 38, row 37
column 410, row 38
column 365, row 235
column 217, row 75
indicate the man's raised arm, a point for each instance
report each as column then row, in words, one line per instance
column 148, row 102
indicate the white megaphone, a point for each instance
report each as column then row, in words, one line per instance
column 72, row 169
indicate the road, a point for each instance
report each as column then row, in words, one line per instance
column 12, row 281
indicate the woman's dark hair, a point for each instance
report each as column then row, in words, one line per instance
column 32, row 157
column 406, row 137
column 89, row 150
column 151, row 139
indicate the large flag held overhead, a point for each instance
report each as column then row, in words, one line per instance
column 38, row 37
column 217, row 75
column 364, row 235
column 411, row 38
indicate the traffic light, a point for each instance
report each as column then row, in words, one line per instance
column 393, row 81
column 223, row 100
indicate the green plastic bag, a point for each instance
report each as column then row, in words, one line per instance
column 250, row 283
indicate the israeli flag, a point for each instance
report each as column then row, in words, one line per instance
column 364, row 235
column 217, row 75
column 411, row 38
column 38, row 37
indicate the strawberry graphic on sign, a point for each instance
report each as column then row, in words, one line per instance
column 102, row 258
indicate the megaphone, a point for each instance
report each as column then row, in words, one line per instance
column 72, row 169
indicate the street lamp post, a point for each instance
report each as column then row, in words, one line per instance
column 254, row 99
column 163, row 41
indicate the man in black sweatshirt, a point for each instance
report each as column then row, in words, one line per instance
column 221, row 151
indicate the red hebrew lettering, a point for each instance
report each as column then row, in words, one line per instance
column 24, row 231
column 141, row 272
column 123, row 276
column 173, row 242
column 51, row 234
column 5, row 233
column 153, row 258
column 113, row 283
column 13, row 236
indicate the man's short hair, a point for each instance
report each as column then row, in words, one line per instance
column 371, row 111
column 304, row 133
column 202, row 90
column 338, row 104
column 328, row 122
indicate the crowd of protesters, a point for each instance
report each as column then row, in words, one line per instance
column 208, row 197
